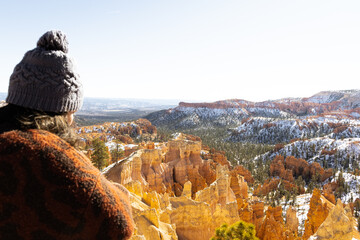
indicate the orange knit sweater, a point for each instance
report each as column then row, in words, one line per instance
column 48, row 190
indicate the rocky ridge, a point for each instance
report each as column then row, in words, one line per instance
column 233, row 111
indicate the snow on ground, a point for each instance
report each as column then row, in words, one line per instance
column 192, row 116
column 176, row 136
column 112, row 145
column 346, row 152
column 354, row 187
column 131, row 146
column 302, row 205
column 275, row 130
column 90, row 129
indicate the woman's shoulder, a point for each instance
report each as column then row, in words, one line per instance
column 32, row 137
column 42, row 144
column 62, row 168
column 17, row 133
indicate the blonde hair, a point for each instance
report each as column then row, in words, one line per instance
column 16, row 117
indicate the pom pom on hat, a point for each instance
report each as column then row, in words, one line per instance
column 53, row 40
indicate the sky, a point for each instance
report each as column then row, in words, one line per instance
column 194, row 50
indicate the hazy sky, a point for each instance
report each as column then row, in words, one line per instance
column 202, row 50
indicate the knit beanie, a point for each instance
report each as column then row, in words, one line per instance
column 45, row 79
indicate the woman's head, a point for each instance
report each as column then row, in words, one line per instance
column 44, row 89
column 45, row 79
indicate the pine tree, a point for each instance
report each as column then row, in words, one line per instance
column 287, row 197
column 100, row 155
column 342, row 186
column 240, row 231
column 117, row 152
column 293, row 200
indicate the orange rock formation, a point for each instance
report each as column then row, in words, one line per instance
column 217, row 156
column 273, row 226
column 292, row 168
column 172, row 186
column 245, row 173
column 292, row 222
column 339, row 225
column 319, row 210
column 328, row 191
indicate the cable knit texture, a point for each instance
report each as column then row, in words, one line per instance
column 48, row 190
column 46, row 79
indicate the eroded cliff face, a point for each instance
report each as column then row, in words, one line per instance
column 176, row 194
column 148, row 221
column 273, row 226
column 166, row 169
column 212, row 207
column 292, row 222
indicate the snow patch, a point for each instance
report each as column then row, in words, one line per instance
column 302, row 206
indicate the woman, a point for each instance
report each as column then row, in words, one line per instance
column 49, row 190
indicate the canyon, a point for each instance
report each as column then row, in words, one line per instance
column 176, row 194
column 303, row 185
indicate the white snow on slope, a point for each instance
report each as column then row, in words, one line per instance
column 275, row 130
column 354, row 187
column 347, row 152
column 302, row 206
